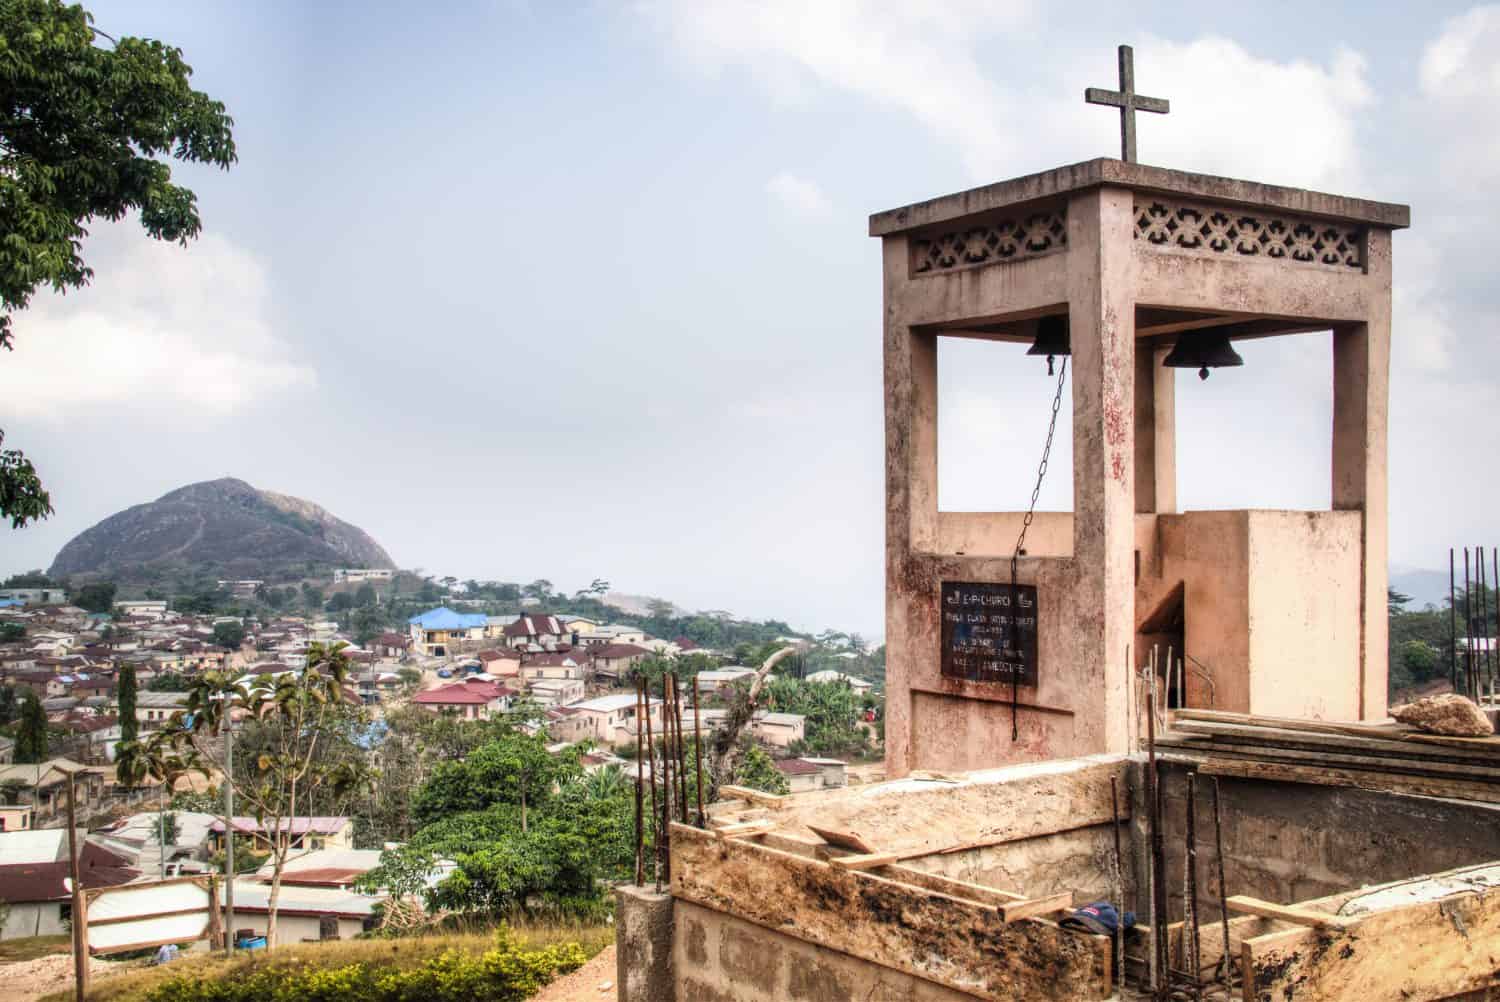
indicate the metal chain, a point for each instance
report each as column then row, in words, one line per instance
column 1015, row 557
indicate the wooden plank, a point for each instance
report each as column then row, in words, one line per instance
column 948, row 885
column 989, row 807
column 1489, row 745
column 755, row 796
column 1430, row 950
column 864, row 861
column 1350, row 728
column 1401, row 748
column 744, row 828
column 963, row 945
column 843, row 839
column 1016, row 910
column 1294, row 914
column 1281, row 772
column 1409, row 765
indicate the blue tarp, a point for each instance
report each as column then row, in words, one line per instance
column 443, row 618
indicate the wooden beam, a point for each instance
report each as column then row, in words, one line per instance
column 1014, row 911
column 948, row 885
column 754, row 796
column 990, row 807
column 743, row 828
column 1435, row 949
column 959, row 944
column 1294, row 914
column 864, row 861
column 1388, row 782
column 850, row 840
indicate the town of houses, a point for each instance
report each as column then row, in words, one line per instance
column 473, row 666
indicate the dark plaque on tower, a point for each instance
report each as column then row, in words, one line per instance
column 989, row 632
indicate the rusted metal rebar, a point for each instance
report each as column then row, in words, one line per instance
column 1471, row 684
column 660, row 840
column 1190, row 953
column 698, row 752
column 1452, row 624
column 1223, row 892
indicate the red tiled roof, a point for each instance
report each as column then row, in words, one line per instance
column 538, row 624
column 20, row 882
column 797, row 767
column 471, row 692
column 492, row 655
column 620, row 651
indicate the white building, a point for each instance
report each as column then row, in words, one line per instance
column 358, row 574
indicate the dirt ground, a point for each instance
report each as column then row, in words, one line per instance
column 593, row 982
column 28, row 980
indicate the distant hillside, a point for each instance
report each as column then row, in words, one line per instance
column 223, row 528
column 1424, row 587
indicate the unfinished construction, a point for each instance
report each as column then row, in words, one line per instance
column 1181, row 714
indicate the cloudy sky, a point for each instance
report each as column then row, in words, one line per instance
column 583, row 290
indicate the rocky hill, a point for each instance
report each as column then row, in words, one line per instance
column 223, row 528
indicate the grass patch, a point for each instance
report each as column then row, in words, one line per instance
column 32, row 947
column 132, row 984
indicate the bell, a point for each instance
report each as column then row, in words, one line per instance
column 1202, row 352
column 1051, row 339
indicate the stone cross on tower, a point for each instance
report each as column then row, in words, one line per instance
column 1127, row 100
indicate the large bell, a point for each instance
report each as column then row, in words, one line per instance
column 1051, row 339
column 1202, row 351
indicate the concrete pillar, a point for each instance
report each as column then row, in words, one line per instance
column 1361, row 392
column 911, row 471
column 643, row 940
column 1155, row 431
column 1101, row 309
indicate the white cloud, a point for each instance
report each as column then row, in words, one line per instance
column 798, row 194
column 161, row 325
column 1464, row 61
column 1460, row 82
column 917, row 58
column 1232, row 112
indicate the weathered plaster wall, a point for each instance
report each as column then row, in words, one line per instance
column 720, row 958
column 1288, row 842
column 1271, row 605
column 1077, row 861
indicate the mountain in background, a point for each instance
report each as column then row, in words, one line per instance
column 221, row 528
column 1425, row 587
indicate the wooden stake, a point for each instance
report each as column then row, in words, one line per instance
column 80, row 905
column 640, row 827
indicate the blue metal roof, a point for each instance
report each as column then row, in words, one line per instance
column 443, row 618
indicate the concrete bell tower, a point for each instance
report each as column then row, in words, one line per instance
column 1278, row 612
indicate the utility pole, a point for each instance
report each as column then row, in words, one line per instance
column 226, row 728
column 80, row 915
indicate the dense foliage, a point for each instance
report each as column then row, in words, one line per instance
column 125, row 693
column 1421, row 648
column 832, row 728
column 524, row 831
column 84, row 124
column 31, row 734
column 506, row 973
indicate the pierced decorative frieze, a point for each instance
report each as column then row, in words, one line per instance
column 1224, row 230
column 1005, row 240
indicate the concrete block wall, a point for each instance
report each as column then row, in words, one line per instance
column 1288, row 842
column 720, row 958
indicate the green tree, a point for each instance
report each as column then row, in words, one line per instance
column 288, row 761
column 129, row 726
column 31, row 733
column 85, row 122
column 98, row 596
column 367, row 624
column 229, row 635
column 365, row 597
column 514, row 768
column 340, row 602
column 9, row 705
column 11, row 633
column 756, row 770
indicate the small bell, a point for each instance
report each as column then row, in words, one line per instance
column 1202, row 351
column 1051, row 339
